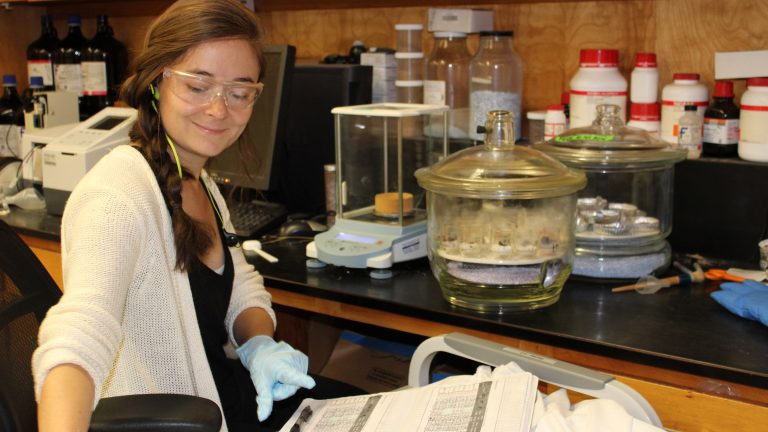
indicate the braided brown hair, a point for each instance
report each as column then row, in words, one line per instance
column 183, row 26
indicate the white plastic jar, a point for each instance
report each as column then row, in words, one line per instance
column 554, row 121
column 646, row 117
column 753, row 142
column 684, row 90
column 597, row 82
column 644, row 81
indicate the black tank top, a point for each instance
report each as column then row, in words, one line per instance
column 211, row 293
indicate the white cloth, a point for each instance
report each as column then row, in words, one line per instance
column 554, row 412
column 127, row 316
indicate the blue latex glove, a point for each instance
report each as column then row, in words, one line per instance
column 748, row 299
column 277, row 370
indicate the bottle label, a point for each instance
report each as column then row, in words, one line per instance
column 41, row 68
column 68, row 78
column 552, row 130
column 434, row 92
column 671, row 111
column 721, row 131
column 754, row 125
column 689, row 138
column 94, row 78
column 584, row 105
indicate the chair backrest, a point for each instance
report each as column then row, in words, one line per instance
column 27, row 291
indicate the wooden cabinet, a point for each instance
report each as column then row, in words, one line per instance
column 685, row 34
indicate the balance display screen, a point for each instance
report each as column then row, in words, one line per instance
column 108, row 123
column 355, row 238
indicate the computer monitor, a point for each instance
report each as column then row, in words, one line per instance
column 315, row 90
column 266, row 128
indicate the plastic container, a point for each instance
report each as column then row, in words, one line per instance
column 496, row 81
column 447, row 80
column 597, row 82
column 753, row 143
column 690, row 131
column 409, row 37
column 410, row 91
column 625, row 212
column 554, row 121
column 536, row 126
column 410, row 66
column 721, row 122
column 644, row 81
column 684, row 90
column 646, row 117
column 501, row 241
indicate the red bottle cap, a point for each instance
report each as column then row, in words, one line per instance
column 757, row 82
column 686, row 76
column 646, row 60
column 555, row 107
column 599, row 57
column 565, row 98
column 644, row 111
column 723, row 89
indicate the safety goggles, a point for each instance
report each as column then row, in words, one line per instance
column 201, row 90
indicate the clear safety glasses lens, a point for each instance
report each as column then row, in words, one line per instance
column 200, row 90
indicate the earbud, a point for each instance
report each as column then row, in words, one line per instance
column 154, row 91
column 155, row 95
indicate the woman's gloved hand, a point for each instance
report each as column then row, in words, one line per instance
column 748, row 299
column 277, row 371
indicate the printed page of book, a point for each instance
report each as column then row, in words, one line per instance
column 477, row 405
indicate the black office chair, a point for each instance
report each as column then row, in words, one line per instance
column 26, row 293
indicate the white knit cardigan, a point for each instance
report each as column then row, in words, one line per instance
column 127, row 315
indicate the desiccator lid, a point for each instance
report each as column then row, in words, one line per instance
column 609, row 144
column 512, row 172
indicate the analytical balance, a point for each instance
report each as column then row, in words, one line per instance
column 380, row 208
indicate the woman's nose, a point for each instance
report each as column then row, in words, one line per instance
column 218, row 106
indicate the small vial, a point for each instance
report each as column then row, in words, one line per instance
column 690, row 132
column 554, row 121
column 536, row 126
column 331, row 195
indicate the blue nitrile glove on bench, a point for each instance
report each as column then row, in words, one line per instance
column 748, row 299
column 277, row 371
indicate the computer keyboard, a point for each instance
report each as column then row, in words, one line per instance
column 255, row 218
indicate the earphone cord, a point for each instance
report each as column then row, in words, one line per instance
column 181, row 174
column 213, row 203
column 178, row 165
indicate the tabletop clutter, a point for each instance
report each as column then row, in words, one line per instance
column 509, row 220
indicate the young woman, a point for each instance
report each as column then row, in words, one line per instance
column 154, row 287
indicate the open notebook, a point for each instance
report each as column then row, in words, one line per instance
column 465, row 403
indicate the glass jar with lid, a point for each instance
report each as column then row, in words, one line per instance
column 500, row 222
column 496, row 80
column 624, row 215
column 447, row 80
